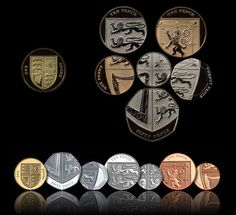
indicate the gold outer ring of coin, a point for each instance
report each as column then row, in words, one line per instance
column 178, row 171
column 30, row 174
column 173, row 45
column 207, row 176
column 61, row 70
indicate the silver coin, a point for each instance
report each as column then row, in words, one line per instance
column 122, row 202
column 150, row 177
column 63, row 170
column 152, row 114
column 92, row 202
column 62, row 203
column 191, row 79
column 123, row 29
column 123, row 171
column 93, row 176
column 153, row 69
column 149, row 202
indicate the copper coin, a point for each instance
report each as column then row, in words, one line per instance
column 191, row 79
column 152, row 114
column 207, row 176
column 43, row 70
column 153, row 69
column 114, row 75
column 30, row 174
column 123, row 30
column 178, row 171
column 181, row 32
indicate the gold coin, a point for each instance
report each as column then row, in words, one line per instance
column 30, row 202
column 178, row 171
column 207, row 176
column 43, row 70
column 30, row 174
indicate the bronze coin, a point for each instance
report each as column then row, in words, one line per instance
column 181, row 32
column 114, row 75
column 207, row 176
column 178, row 171
column 43, row 70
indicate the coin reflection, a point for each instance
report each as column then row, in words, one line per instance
column 30, row 202
column 92, row 202
column 122, row 202
column 149, row 202
column 177, row 202
column 62, row 202
column 207, row 202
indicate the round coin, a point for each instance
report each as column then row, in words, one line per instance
column 123, row 171
column 152, row 114
column 114, row 75
column 30, row 202
column 30, row 174
column 181, row 32
column 207, row 176
column 43, row 70
column 178, row 171
column 153, row 69
column 123, row 30
column 150, row 177
column 63, row 170
column 191, row 79
column 93, row 176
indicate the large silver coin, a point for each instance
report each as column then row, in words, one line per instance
column 93, row 176
column 191, row 79
column 150, row 177
column 154, row 69
column 62, row 203
column 123, row 171
column 92, row 202
column 152, row 114
column 123, row 29
column 63, row 170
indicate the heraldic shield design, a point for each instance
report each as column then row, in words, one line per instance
column 30, row 174
column 89, row 175
column 43, row 71
column 152, row 114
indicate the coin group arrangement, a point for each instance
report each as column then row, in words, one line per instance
column 121, row 171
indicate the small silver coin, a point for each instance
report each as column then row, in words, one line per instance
column 63, row 170
column 150, row 177
column 191, row 79
column 153, row 69
column 123, row 30
column 92, row 202
column 93, row 176
column 152, row 114
column 62, row 203
column 123, row 171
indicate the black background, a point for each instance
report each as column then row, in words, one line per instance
column 79, row 118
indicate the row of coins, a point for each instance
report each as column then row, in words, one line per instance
column 121, row 171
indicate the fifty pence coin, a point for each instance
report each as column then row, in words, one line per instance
column 150, row 177
column 114, row 75
column 191, row 79
column 43, row 70
column 123, row 30
column 63, row 170
column 152, row 114
column 30, row 174
column 207, row 176
column 123, row 171
column 30, row 202
column 153, row 69
column 93, row 176
column 181, row 32
column 178, row 171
